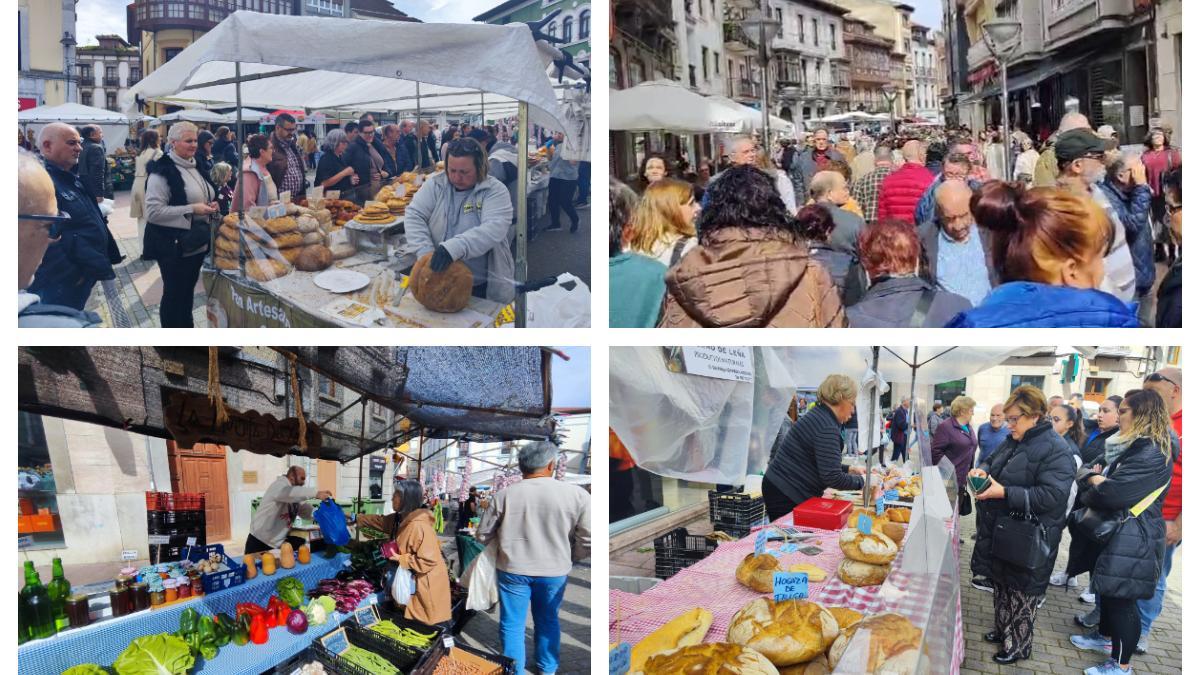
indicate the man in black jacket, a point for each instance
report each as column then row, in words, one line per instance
column 408, row 141
column 899, row 431
column 358, row 156
column 93, row 164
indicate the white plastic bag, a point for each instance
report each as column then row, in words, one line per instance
column 556, row 307
column 480, row 580
column 402, row 586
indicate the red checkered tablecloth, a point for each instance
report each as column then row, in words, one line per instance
column 711, row 584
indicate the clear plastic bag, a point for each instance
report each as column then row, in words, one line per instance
column 480, row 580
column 403, row 586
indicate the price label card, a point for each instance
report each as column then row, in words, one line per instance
column 760, row 542
column 286, row 198
column 158, row 539
column 129, row 554
column 374, row 598
column 24, row 541
column 789, row 548
column 367, row 616
column 892, row 494
column 864, row 524
column 618, row 659
column 791, row 585
column 276, row 211
column 191, row 541
column 448, row 642
column 879, row 506
column 336, row 642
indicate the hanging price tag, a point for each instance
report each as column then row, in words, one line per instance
column 129, row 554
column 618, row 659
column 892, row 494
column 791, row 585
column 879, row 506
column 864, row 524
column 24, row 541
column 448, row 642
column 760, row 542
column 367, row 616
column 191, row 541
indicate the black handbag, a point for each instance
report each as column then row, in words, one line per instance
column 1020, row 539
column 964, row 502
column 1095, row 524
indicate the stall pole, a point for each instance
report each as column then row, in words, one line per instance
column 237, row 171
column 482, row 110
column 358, row 496
column 417, row 159
column 912, row 398
column 871, row 425
column 522, row 266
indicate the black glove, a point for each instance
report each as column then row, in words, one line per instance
column 441, row 259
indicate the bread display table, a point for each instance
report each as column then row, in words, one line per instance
column 711, row 584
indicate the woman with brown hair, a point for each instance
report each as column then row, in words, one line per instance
column 1048, row 249
column 1030, row 473
column 664, row 223
column 898, row 297
column 653, row 169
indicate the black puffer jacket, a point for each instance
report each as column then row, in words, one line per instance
column 1129, row 565
column 1092, row 451
column 1041, row 465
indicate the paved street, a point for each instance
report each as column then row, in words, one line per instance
column 138, row 286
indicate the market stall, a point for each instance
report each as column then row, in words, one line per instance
column 114, row 124
column 253, row 59
column 180, row 393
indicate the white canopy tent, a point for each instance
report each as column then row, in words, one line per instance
column 664, row 105
column 114, row 124
column 273, row 61
column 754, row 117
column 194, row 115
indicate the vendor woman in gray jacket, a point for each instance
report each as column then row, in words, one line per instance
column 464, row 214
column 180, row 205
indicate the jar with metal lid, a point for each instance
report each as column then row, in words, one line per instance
column 171, row 590
column 116, row 599
column 158, row 596
column 141, row 596
column 197, row 583
column 77, row 610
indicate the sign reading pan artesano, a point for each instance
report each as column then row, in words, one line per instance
column 191, row 419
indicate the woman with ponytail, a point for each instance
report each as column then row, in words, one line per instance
column 1048, row 248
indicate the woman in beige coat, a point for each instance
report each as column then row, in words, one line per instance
column 148, row 151
column 418, row 551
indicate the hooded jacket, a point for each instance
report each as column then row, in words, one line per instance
column 750, row 278
column 1025, row 304
column 1133, row 208
column 1042, row 466
column 1128, row 566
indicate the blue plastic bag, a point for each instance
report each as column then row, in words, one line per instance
column 332, row 521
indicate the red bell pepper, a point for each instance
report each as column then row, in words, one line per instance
column 249, row 608
column 258, row 629
column 277, row 612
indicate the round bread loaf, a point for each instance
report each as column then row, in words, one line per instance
column 893, row 648
column 899, row 515
column 894, row 531
column 818, row 666
column 313, row 258
column 447, row 291
column 787, row 631
column 845, row 616
column 266, row 269
column 758, row 572
column 712, row 658
column 874, row 548
column 858, row 573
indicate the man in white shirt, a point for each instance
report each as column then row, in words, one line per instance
column 281, row 503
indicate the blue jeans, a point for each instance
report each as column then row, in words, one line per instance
column 1150, row 608
column 516, row 594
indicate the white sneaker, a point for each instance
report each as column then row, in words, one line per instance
column 1061, row 579
column 1087, row 596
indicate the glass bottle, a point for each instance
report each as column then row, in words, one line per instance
column 58, row 589
column 35, row 600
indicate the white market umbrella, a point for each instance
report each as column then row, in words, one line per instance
column 664, row 105
column 194, row 115
column 115, row 125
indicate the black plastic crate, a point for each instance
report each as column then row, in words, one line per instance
column 677, row 549
column 403, row 657
column 735, row 531
column 184, row 520
column 427, row 665
column 173, row 549
column 735, row 508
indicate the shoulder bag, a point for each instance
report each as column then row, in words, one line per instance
column 1020, row 539
column 1099, row 525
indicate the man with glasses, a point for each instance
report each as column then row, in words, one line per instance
column 85, row 251
column 955, row 168
column 1081, row 168
column 287, row 162
column 956, row 255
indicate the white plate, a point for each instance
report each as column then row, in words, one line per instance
column 341, row 281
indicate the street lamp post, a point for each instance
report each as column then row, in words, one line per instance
column 889, row 92
column 1001, row 39
column 67, row 42
column 760, row 21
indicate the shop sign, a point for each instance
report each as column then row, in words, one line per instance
column 191, row 419
column 722, row 363
column 24, row 103
column 233, row 303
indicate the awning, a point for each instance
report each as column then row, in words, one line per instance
column 1044, row 69
column 665, row 105
column 480, row 394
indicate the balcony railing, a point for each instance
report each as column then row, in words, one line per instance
column 736, row 39
column 744, row 88
column 112, row 82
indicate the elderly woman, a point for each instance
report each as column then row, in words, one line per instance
column 1126, row 567
column 816, row 224
column 333, row 173
column 890, row 252
column 181, row 207
column 955, row 440
column 752, row 268
column 464, row 214
column 256, row 187
column 148, row 151
column 810, row 458
column 1030, row 472
column 418, row 551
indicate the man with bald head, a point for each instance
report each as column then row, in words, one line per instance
column 955, row 253
column 828, row 189
column 37, row 223
column 85, row 252
column 901, row 191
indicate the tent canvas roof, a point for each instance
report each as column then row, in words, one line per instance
column 482, row 394
column 668, row 105
column 71, row 113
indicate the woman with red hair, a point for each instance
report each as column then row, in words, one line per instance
column 1048, row 250
column 890, row 252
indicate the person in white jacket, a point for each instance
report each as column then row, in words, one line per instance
column 465, row 214
column 281, row 503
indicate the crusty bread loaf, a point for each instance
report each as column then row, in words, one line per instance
column 858, row 573
column 897, row 515
column 845, row 616
column 226, row 263
column 447, row 291
column 818, row 666
column 227, row 246
column 894, row 531
column 313, row 258
column 815, row 574
column 758, row 572
column 684, row 630
column 289, row 240
column 894, row 646
column 787, row 631
column 311, row 238
column 711, row 657
column 266, row 269
column 874, row 548
column 279, row 225
column 306, row 224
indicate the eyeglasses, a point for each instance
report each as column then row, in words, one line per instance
column 1158, row 377
column 62, row 217
column 1012, row 420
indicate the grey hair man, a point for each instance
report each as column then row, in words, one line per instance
column 955, row 253
column 540, row 527
column 828, row 188
column 284, row 500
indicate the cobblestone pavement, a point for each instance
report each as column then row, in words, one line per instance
column 1052, row 649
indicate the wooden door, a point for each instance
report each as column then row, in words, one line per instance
column 201, row 468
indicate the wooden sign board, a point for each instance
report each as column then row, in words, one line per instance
column 191, row 419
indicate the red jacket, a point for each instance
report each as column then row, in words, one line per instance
column 1173, row 504
column 901, row 192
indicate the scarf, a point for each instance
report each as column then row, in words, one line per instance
column 1113, row 447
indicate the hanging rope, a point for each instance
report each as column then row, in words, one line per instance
column 214, row 389
column 303, row 442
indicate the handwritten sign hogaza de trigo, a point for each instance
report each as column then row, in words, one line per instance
column 191, row 419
